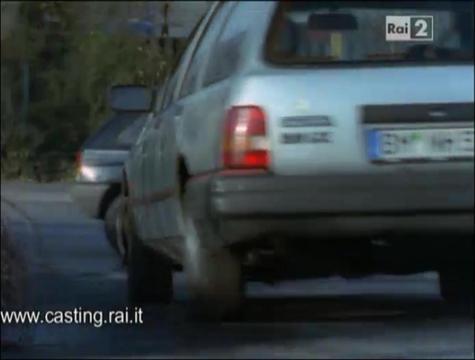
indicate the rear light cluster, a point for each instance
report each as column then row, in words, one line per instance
column 78, row 161
column 246, row 145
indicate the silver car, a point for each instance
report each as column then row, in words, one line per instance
column 294, row 141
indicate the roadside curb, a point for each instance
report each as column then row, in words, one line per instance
column 24, row 216
column 26, row 192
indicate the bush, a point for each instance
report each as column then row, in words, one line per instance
column 71, row 64
column 17, row 149
column 12, row 273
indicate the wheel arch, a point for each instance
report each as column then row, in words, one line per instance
column 110, row 195
column 125, row 184
column 183, row 172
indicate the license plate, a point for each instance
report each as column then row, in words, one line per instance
column 420, row 144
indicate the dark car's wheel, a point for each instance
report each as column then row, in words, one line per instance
column 456, row 284
column 150, row 275
column 214, row 276
column 122, row 242
column 110, row 221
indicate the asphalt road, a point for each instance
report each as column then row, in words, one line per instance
column 72, row 266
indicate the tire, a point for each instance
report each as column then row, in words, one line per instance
column 121, row 236
column 110, row 222
column 214, row 277
column 150, row 275
column 456, row 284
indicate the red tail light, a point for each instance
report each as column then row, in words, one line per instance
column 246, row 144
column 78, row 160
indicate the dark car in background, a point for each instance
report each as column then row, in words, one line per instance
column 101, row 159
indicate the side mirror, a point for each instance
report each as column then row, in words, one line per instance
column 332, row 22
column 131, row 98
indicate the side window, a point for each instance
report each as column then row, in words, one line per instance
column 172, row 78
column 109, row 135
column 190, row 81
column 226, row 54
column 129, row 136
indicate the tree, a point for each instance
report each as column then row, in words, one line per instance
column 75, row 51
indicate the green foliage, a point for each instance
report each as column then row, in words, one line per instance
column 72, row 65
column 100, row 61
column 17, row 152
column 12, row 273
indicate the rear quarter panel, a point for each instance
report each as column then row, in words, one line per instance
column 200, row 136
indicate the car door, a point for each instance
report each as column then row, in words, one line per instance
column 151, row 222
column 158, row 234
column 159, row 188
column 163, row 219
column 135, row 177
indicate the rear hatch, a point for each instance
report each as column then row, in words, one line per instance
column 342, row 99
column 328, row 120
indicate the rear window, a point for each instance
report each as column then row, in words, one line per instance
column 120, row 132
column 354, row 32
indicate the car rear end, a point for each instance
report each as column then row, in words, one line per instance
column 337, row 133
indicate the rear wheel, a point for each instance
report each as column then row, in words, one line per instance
column 214, row 274
column 456, row 284
column 150, row 275
column 110, row 221
column 215, row 285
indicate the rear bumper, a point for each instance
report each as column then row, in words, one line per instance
column 89, row 196
column 358, row 205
